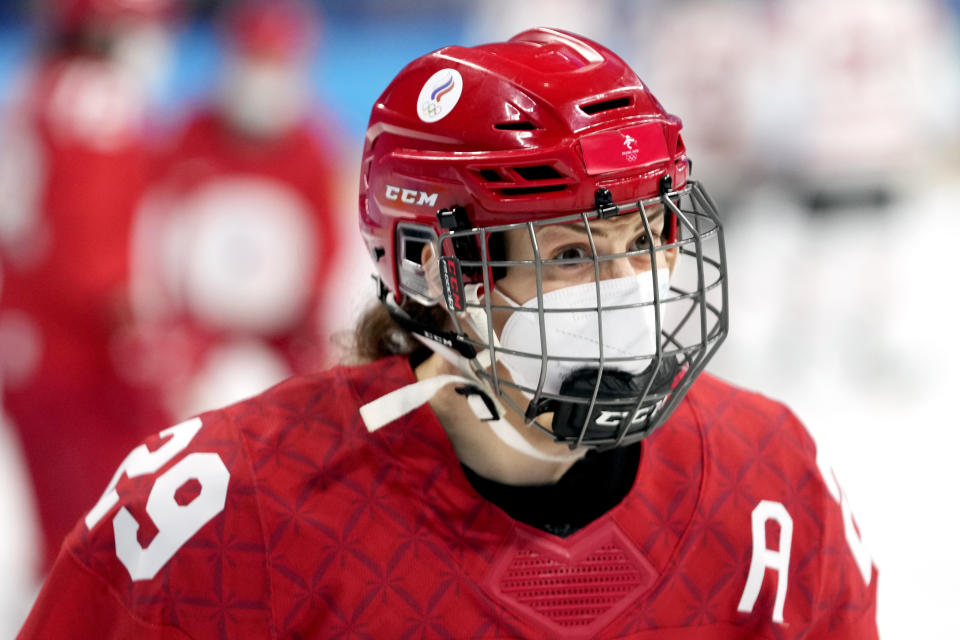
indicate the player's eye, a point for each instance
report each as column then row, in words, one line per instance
column 570, row 253
column 642, row 242
column 639, row 243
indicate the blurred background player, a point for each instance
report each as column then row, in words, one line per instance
column 72, row 168
column 236, row 245
column 19, row 577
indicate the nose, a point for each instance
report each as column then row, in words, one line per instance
column 622, row 268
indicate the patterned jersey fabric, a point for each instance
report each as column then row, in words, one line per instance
column 283, row 517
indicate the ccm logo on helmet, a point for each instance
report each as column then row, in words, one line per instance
column 411, row 196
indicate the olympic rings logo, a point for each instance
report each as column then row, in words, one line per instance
column 431, row 109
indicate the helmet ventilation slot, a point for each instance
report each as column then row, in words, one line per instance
column 520, row 125
column 593, row 108
column 538, row 172
column 522, row 180
column 491, row 176
column 526, row 191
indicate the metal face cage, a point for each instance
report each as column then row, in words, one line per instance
column 613, row 395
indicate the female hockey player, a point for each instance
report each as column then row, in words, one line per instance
column 532, row 449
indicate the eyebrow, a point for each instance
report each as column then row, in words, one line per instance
column 581, row 228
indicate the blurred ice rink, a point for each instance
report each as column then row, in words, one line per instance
column 831, row 133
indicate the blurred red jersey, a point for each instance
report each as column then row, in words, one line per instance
column 234, row 256
column 71, row 171
column 283, row 517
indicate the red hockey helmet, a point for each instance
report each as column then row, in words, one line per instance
column 278, row 29
column 546, row 128
column 532, row 127
column 74, row 15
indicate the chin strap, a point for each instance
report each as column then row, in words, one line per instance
column 449, row 339
column 454, row 349
column 402, row 401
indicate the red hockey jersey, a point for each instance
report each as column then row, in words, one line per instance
column 283, row 517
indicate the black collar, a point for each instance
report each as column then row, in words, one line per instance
column 592, row 486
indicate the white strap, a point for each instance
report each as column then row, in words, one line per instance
column 442, row 350
column 402, row 401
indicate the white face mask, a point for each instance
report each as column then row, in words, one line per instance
column 264, row 99
column 627, row 333
column 145, row 53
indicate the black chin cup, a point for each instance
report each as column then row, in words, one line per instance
column 616, row 397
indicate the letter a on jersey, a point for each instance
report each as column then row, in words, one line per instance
column 764, row 558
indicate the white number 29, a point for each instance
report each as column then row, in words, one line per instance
column 175, row 523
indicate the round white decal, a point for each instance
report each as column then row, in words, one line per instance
column 244, row 255
column 439, row 95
